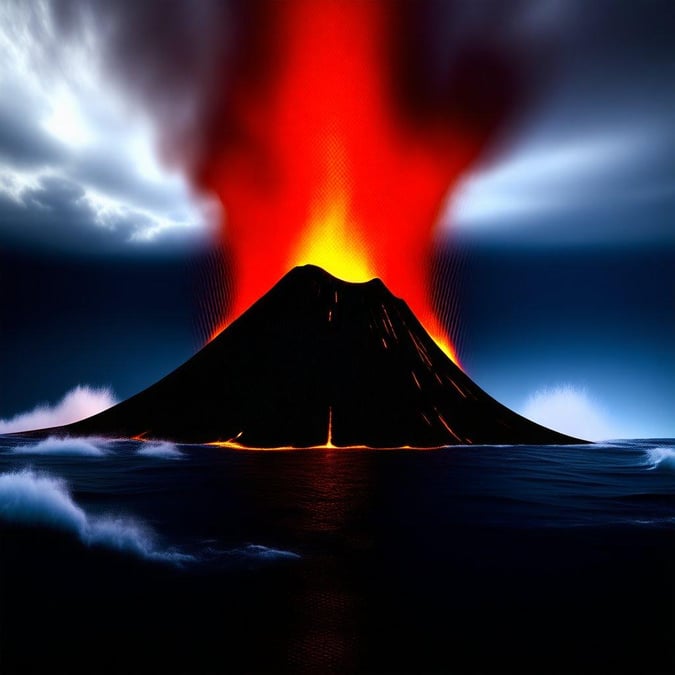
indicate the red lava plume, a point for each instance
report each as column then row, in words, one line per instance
column 317, row 163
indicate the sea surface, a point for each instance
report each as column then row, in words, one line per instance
column 142, row 557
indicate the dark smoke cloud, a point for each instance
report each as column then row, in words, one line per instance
column 471, row 63
column 171, row 57
column 536, row 69
column 474, row 64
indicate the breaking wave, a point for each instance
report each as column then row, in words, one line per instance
column 662, row 459
column 27, row 498
column 78, row 403
column 31, row 499
column 160, row 449
column 64, row 447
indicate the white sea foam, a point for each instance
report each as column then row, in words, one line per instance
column 662, row 459
column 570, row 410
column 64, row 447
column 160, row 450
column 27, row 498
column 260, row 552
column 78, row 403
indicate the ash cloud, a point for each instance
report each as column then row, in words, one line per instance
column 472, row 64
column 529, row 76
column 478, row 65
column 171, row 58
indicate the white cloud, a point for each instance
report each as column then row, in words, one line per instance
column 15, row 183
column 66, row 122
column 64, row 117
column 572, row 411
column 77, row 404
column 537, row 179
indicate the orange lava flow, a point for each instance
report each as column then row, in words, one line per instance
column 234, row 444
column 323, row 168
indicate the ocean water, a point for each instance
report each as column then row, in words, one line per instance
column 132, row 557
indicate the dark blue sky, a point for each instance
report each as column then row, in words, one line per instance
column 559, row 247
column 599, row 320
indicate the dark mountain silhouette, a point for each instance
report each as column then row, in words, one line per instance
column 319, row 361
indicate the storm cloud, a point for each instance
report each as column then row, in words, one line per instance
column 79, row 168
column 108, row 109
column 592, row 161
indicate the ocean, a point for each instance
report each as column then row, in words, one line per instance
column 143, row 557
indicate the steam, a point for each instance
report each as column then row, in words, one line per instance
column 77, row 404
column 572, row 411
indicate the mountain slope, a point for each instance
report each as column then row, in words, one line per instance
column 315, row 361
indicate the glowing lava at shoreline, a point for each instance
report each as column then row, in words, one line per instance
column 319, row 165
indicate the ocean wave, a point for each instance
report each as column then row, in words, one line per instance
column 249, row 556
column 653, row 523
column 27, row 498
column 64, row 446
column 259, row 552
column 31, row 499
column 160, row 450
column 662, row 459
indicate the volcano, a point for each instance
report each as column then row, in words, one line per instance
column 319, row 362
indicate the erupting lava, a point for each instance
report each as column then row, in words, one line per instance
column 318, row 164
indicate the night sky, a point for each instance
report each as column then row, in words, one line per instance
column 556, row 251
